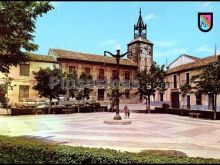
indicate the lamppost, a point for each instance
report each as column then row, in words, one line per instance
column 117, row 56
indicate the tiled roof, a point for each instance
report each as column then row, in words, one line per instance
column 140, row 39
column 65, row 54
column 42, row 58
column 193, row 65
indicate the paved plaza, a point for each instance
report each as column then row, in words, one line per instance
column 195, row 137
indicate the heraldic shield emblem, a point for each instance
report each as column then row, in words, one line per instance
column 205, row 21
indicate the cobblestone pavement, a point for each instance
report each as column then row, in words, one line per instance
column 195, row 137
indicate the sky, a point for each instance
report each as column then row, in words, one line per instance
column 95, row 27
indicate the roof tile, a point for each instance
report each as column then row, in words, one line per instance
column 192, row 65
column 42, row 58
column 65, row 54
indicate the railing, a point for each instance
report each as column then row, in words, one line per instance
column 101, row 78
column 172, row 84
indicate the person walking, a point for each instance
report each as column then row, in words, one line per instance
column 126, row 111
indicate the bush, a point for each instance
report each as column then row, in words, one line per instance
column 27, row 150
column 165, row 105
column 27, row 111
column 96, row 104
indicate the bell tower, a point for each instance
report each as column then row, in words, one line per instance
column 140, row 46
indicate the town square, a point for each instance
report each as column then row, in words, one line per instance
column 83, row 84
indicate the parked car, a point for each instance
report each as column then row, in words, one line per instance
column 30, row 103
column 26, row 103
column 54, row 104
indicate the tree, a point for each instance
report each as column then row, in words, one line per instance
column 208, row 81
column 3, row 93
column 150, row 81
column 84, row 90
column 4, row 100
column 49, row 83
column 71, row 81
column 17, row 26
column 112, row 94
column 184, row 89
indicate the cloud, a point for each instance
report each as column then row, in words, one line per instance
column 111, row 42
column 149, row 17
column 171, row 52
column 206, row 4
column 165, row 43
column 205, row 49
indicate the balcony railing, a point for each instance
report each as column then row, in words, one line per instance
column 178, row 83
column 101, row 78
column 171, row 85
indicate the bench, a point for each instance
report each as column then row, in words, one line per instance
column 197, row 114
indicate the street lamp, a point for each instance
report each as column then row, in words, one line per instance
column 117, row 56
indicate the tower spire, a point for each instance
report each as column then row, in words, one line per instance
column 140, row 27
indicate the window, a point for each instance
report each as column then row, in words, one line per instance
column 174, row 81
column 198, row 99
column 24, row 69
column 71, row 69
column 127, row 75
column 187, row 78
column 23, row 91
column 87, row 70
column 101, row 74
column 114, row 75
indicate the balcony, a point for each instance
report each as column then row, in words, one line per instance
column 172, row 85
column 102, row 78
column 113, row 78
column 176, row 85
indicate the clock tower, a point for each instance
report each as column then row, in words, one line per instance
column 140, row 46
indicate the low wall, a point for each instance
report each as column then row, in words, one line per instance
column 185, row 112
column 33, row 111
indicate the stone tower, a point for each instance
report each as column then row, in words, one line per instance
column 140, row 46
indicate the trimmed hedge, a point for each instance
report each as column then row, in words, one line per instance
column 32, row 111
column 165, row 105
column 27, row 111
column 27, row 150
column 185, row 112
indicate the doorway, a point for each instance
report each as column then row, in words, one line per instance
column 211, row 101
column 188, row 101
column 175, row 100
column 101, row 94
